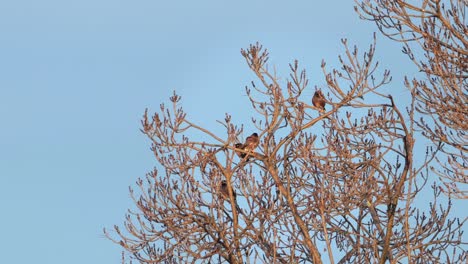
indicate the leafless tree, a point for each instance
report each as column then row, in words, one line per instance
column 438, row 31
column 337, row 185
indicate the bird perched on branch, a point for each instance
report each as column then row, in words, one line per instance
column 239, row 153
column 251, row 142
column 225, row 192
column 319, row 100
column 224, row 195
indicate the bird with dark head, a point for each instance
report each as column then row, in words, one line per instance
column 225, row 191
column 224, row 196
column 239, row 153
column 251, row 142
column 319, row 100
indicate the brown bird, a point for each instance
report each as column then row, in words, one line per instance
column 225, row 196
column 251, row 142
column 239, row 153
column 225, row 192
column 319, row 100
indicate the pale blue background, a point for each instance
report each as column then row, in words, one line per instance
column 76, row 76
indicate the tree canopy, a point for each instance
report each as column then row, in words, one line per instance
column 328, row 178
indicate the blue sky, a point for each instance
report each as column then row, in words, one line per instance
column 76, row 77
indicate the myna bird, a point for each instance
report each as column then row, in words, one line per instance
column 251, row 142
column 225, row 192
column 319, row 100
column 239, row 153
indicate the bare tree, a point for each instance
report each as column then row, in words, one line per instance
column 438, row 30
column 333, row 183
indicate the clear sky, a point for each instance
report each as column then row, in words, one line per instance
column 76, row 77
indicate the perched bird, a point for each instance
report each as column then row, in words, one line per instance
column 225, row 192
column 251, row 142
column 319, row 100
column 224, row 195
column 239, row 153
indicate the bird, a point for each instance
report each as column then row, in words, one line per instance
column 225, row 192
column 318, row 100
column 251, row 142
column 239, row 153
column 224, row 195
